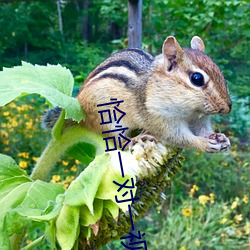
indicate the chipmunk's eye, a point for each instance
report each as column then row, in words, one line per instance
column 197, row 79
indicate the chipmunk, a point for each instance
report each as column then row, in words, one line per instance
column 170, row 96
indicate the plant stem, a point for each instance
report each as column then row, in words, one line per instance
column 16, row 240
column 57, row 147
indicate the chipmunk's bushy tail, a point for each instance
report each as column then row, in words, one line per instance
column 50, row 117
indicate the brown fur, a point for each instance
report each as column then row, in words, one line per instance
column 158, row 95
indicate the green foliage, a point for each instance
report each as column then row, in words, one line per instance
column 201, row 223
column 30, row 32
column 232, row 166
column 19, row 198
column 81, row 58
column 52, row 82
column 223, row 25
column 238, row 121
column 83, row 152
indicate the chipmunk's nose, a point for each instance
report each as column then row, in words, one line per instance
column 227, row 108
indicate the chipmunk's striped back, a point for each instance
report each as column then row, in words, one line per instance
column 124, row 66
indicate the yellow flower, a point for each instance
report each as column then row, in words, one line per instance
column 247, row 227
column 29, row 124
column 238, row 233
column 28, row 241
column 182, row 248
column 187, row 211
column 211, row 195
column 223, row 235
column 235, row 203
column 245, row 199
column 203, row 199
column 55, row 178
column 24, row 154
column 14, row 123
column 6, row 141
column 23, row 107
column 234, row 152
column 65, row 185
column 12, row 105
column 70, row 178
column 73, row 168
column 197, row 242
column 4, row 134
column 23, row 164
column 65, row 163
column 224, row 164
column 6, row 113
column 77, row 162
column 238, row 218
column 193, row 190
column 223, row 220
column 35, row 159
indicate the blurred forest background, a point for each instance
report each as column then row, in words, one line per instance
column 208, row 204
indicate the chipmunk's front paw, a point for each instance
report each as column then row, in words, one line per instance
column 217, row 142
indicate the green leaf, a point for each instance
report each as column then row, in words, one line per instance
column 20, row 198
column 6, row 186
column 96, row 181
column 111, row 207
column 108, row 190
column 50, row 234
column 48, row 215
column 86, row 231
column 86, row 218
column 27, row 201
column 53, row 82
column 9, row 168
column 14, row 198
column 83, row 189
column 67, row 226
column 11, row 200
column 14, row 223
column 83, row 152
column 39, row 194
column 4, row 240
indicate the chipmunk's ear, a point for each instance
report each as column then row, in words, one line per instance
column 171, row 49
column 197, row 43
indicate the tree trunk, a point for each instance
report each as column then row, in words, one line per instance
column 59, row 16
column 134, row 23
column 85, row 20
